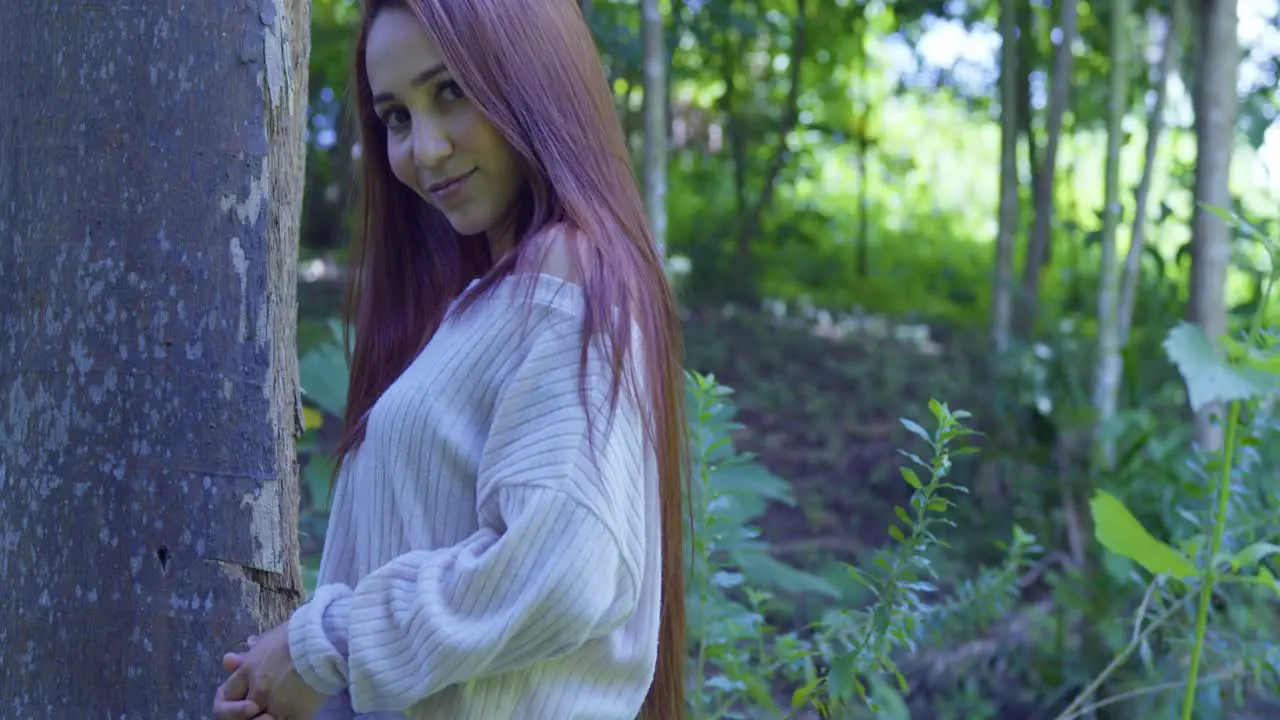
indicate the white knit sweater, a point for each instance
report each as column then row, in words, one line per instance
column 483, row 561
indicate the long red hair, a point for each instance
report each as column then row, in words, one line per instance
column 533, row 69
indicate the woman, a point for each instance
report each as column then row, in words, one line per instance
column 505, row 535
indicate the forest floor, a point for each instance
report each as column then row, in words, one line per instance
column 820, row 407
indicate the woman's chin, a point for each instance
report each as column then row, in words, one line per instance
column 464, row 224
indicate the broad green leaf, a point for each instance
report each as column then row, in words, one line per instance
column 751, row 479
column 1208, row 376
column 761, row 568
column 1121, row 533
column 323, row 372
column 317, row 475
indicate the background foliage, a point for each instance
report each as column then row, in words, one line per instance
column 833, row 185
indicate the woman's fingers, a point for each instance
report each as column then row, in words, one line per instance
column 235, row 710
column 231, row 662
column 231, row 701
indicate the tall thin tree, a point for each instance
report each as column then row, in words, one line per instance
column 1216, row 105
column 1006, row 240
column 1110, row 366
column 1042, row 226
column 1104, row 396
column 655, row 118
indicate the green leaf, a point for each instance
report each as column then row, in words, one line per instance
column 903, row 685
column 801, row 695
column 323, row 375
column 1121, row 533
column 896, row 533
column 915, row 429
column 902, row 515
column 762, row 569
column 1234, row 220
column 1252, row 555
column 311, row 418
column 1266, row 578
column 1192, row 546
column 939, row 412
column 1208, row 376
column 317, row 475
column 912, row 479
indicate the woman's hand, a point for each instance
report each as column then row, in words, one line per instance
column 236, row 708
column 264, row 684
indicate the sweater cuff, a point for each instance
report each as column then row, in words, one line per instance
column 318, row 639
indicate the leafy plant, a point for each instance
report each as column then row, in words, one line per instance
column 861, row 645
column 742, row 664
column 1245, row 376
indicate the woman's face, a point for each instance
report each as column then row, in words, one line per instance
column 438, row 142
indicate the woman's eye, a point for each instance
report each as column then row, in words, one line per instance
column 395, row 119
column 450, row 90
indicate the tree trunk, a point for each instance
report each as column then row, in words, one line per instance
column 1106, row 375
column 790, row 118
column 863, row 140
column 655, row 120
column 151, row 165
column 1006, row 241
column 1027, row 63
column 1111, row 365
column 1215, row 101
column 1042, row 228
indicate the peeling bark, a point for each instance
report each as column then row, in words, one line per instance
column 151, row 165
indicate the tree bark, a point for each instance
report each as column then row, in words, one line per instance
column 655, row 120
column 1042, row 228
column 151, row 165
column 1006, row 241
column 1214, row 97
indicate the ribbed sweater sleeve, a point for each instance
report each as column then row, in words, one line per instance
column 552, row 565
